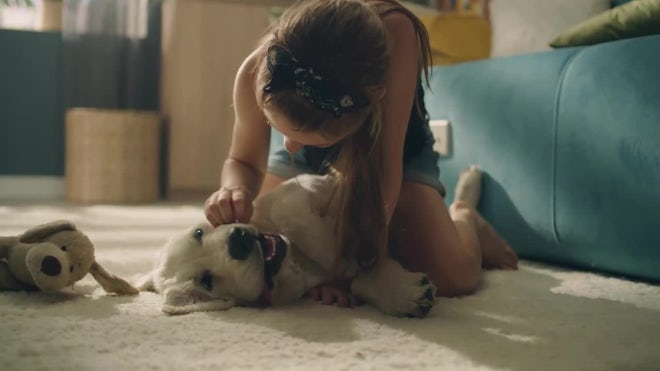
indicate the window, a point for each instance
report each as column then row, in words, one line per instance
column 18, row 14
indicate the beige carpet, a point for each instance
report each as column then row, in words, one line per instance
column 538, row 318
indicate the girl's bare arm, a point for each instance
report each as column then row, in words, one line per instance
column 400, row 91
column 244, row 169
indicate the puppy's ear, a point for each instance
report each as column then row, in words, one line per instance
column 185, row 298
column 146, row 283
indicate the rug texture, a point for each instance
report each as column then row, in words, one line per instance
column 537, row 318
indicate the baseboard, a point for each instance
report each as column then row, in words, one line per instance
column 32, row 187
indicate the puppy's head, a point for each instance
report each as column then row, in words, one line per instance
column 207, row 268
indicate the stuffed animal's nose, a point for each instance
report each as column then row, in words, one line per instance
column 50, row 266
column 241, row 243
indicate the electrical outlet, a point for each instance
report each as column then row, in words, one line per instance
column 442, row 135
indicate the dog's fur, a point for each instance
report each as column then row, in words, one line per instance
column 206, row 268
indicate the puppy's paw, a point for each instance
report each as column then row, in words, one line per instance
column 396, row 291
column 425, row 302
column 414, row 299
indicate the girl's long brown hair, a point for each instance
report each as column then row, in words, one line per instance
column 344, row 41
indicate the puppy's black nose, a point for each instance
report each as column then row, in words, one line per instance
column 50, row 266
column 241, row 243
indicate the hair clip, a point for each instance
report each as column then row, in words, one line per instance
column 288, row 74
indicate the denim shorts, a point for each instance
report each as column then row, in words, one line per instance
column 421, row 167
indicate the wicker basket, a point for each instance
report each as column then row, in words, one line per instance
column 112, row 156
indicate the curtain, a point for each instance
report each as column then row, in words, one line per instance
column 112, row 53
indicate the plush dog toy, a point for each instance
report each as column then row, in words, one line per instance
column 50, row 257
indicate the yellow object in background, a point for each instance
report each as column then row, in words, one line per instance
column 460, row 35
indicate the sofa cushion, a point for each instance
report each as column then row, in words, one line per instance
column 501, row 113
column 607, row 182
column 633, row 19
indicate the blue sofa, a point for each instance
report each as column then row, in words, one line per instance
column 569, row 141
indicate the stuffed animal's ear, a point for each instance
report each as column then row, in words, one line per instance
column 40, row 232
column 8, row 281
column 110, row 282
column 184, row 298
column 5, row 244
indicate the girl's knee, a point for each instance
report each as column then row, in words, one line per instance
column 466, row 284
column 457, row 281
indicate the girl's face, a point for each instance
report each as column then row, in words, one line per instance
column 295, row 139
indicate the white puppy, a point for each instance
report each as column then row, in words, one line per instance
column 288, row 248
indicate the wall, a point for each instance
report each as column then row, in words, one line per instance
column 203, row 44
column 31, row 107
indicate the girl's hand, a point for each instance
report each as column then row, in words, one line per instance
column 338, row 293
column 231, row 204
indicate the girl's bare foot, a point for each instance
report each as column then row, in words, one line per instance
column 495, row 251
column 468, row 187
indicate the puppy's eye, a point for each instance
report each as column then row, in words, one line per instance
column 64, row 248
column 207, row 281
column 198, row 234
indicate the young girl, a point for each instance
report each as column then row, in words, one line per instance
column 340, row 80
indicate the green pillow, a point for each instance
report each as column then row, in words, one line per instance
column 636, row 18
